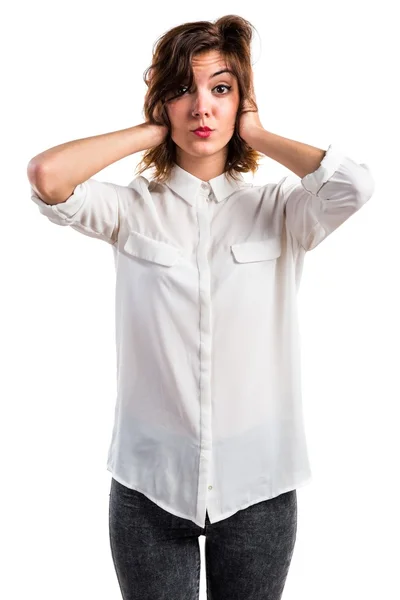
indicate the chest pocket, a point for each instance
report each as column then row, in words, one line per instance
column 154, row 251
column 268, row 249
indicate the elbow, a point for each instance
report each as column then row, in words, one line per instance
column 35, row 173
column 43, row 184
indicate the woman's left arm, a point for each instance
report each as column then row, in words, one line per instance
column 300, row 158
column 331, row 189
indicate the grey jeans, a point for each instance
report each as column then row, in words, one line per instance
column 156, row 555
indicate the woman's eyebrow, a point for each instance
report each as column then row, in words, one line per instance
column 219, row 73
column 222, row 71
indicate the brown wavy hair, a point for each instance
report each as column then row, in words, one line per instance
column 231, row 35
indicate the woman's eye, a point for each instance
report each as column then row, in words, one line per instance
column 222, row 85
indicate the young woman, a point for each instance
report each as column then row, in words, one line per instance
column 208, row 436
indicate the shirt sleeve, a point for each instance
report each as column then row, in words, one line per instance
column 321, row 201
column 94, row 209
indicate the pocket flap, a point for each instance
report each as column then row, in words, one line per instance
column 155, row 251
column 256, row 251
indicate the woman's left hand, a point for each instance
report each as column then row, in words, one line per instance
column 249, row 123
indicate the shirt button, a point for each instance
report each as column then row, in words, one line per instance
column 204, row 186
column 210, row 487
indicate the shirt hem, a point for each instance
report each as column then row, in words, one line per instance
column 159, row 503
column 282, row 490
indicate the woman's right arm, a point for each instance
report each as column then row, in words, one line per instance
column 56, row 172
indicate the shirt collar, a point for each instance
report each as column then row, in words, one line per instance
column 188, row 186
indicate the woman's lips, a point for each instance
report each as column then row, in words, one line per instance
column 203, row 134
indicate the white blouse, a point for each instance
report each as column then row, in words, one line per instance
column 208, row 411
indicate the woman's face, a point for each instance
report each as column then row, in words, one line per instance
column 213, row 102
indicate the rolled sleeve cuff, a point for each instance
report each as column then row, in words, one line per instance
column 63, row 211
column 330, row 163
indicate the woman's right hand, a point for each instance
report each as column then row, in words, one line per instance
column 156, row 133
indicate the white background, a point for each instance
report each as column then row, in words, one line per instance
column 325, row 73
